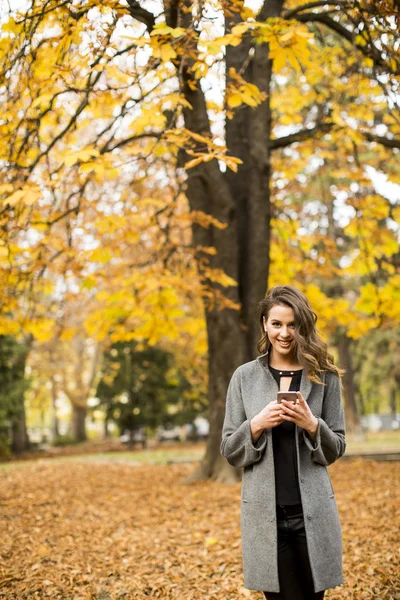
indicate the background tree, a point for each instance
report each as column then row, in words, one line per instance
column 13, row 385
column 377, row 373
column 141, row 388
column 342, row 240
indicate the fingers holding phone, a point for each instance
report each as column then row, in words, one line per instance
column 290, row 404
column 299, row 412
column 270, row 416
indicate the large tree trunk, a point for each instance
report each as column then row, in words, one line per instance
column 79, row 387
column 208, row 191
column 242, row 201
column 350, row 406
column 393, row 402
column 19, row 435
column 396, row 392
column 106, row 432
column 78, row 428
column 56, row 429
column 248, row 136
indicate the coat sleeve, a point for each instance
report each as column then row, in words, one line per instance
column 237, row 445
column 330, row 442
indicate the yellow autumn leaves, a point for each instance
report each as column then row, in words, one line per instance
column 239, row 91
column 26, row 195
column 117, row 107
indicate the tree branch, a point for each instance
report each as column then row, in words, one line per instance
column 299, row 136
column 141, row 14
column 370, row 51
column 325, row 20
column 171, row 12
column 291, row 13
column 388, row 142
column 138, row 136
column 305, row 134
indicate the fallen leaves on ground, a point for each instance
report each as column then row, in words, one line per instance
column 87, row 531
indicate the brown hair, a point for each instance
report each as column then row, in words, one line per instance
column 311, row 351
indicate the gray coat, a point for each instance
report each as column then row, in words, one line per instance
column 251, row 388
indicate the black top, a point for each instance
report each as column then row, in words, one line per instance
column 284, row 448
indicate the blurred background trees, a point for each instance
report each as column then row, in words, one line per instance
column 164, row 164
column 142, row 389
column 13, row 385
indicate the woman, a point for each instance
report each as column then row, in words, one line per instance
column 291, row 532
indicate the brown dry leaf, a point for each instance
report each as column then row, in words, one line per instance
column 86, row 531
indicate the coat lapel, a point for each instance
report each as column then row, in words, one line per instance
column 263, row 359
column 305, row 385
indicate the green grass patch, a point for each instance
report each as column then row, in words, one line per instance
column 374, row 442
column 378, row 441
column 150, row 457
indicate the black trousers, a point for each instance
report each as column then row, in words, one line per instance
column 294, row 571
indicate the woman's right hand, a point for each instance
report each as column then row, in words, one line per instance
column 269, row 417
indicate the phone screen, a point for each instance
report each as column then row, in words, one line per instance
column 287, row 396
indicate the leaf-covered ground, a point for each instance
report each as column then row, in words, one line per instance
column 107, row 531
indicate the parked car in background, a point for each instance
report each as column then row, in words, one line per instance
column 375, row 422
column 198, row 430
column 168, row 434
column 202, row 427
column 40, row 435
column 137, row 436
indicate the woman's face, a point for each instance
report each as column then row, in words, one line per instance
column 280, row 328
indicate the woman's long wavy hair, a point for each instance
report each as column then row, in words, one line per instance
column 310, row 350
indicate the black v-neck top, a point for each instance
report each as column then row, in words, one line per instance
column 284, row 448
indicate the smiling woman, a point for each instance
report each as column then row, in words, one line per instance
column 291, row 532
column 280, row 328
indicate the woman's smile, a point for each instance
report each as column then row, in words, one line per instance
column 285, row 344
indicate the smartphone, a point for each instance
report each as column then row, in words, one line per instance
column 287, row 396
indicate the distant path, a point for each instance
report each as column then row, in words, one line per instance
column 383, row 456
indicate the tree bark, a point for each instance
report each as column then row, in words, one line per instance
column 78, row 423
column 349, row 389
column 208, row 191
column 78, row 388
column 393, row 402
column 19, row 435
column 106, row 433
column 248, row 136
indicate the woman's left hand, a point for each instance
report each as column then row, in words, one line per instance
column 299, row 413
